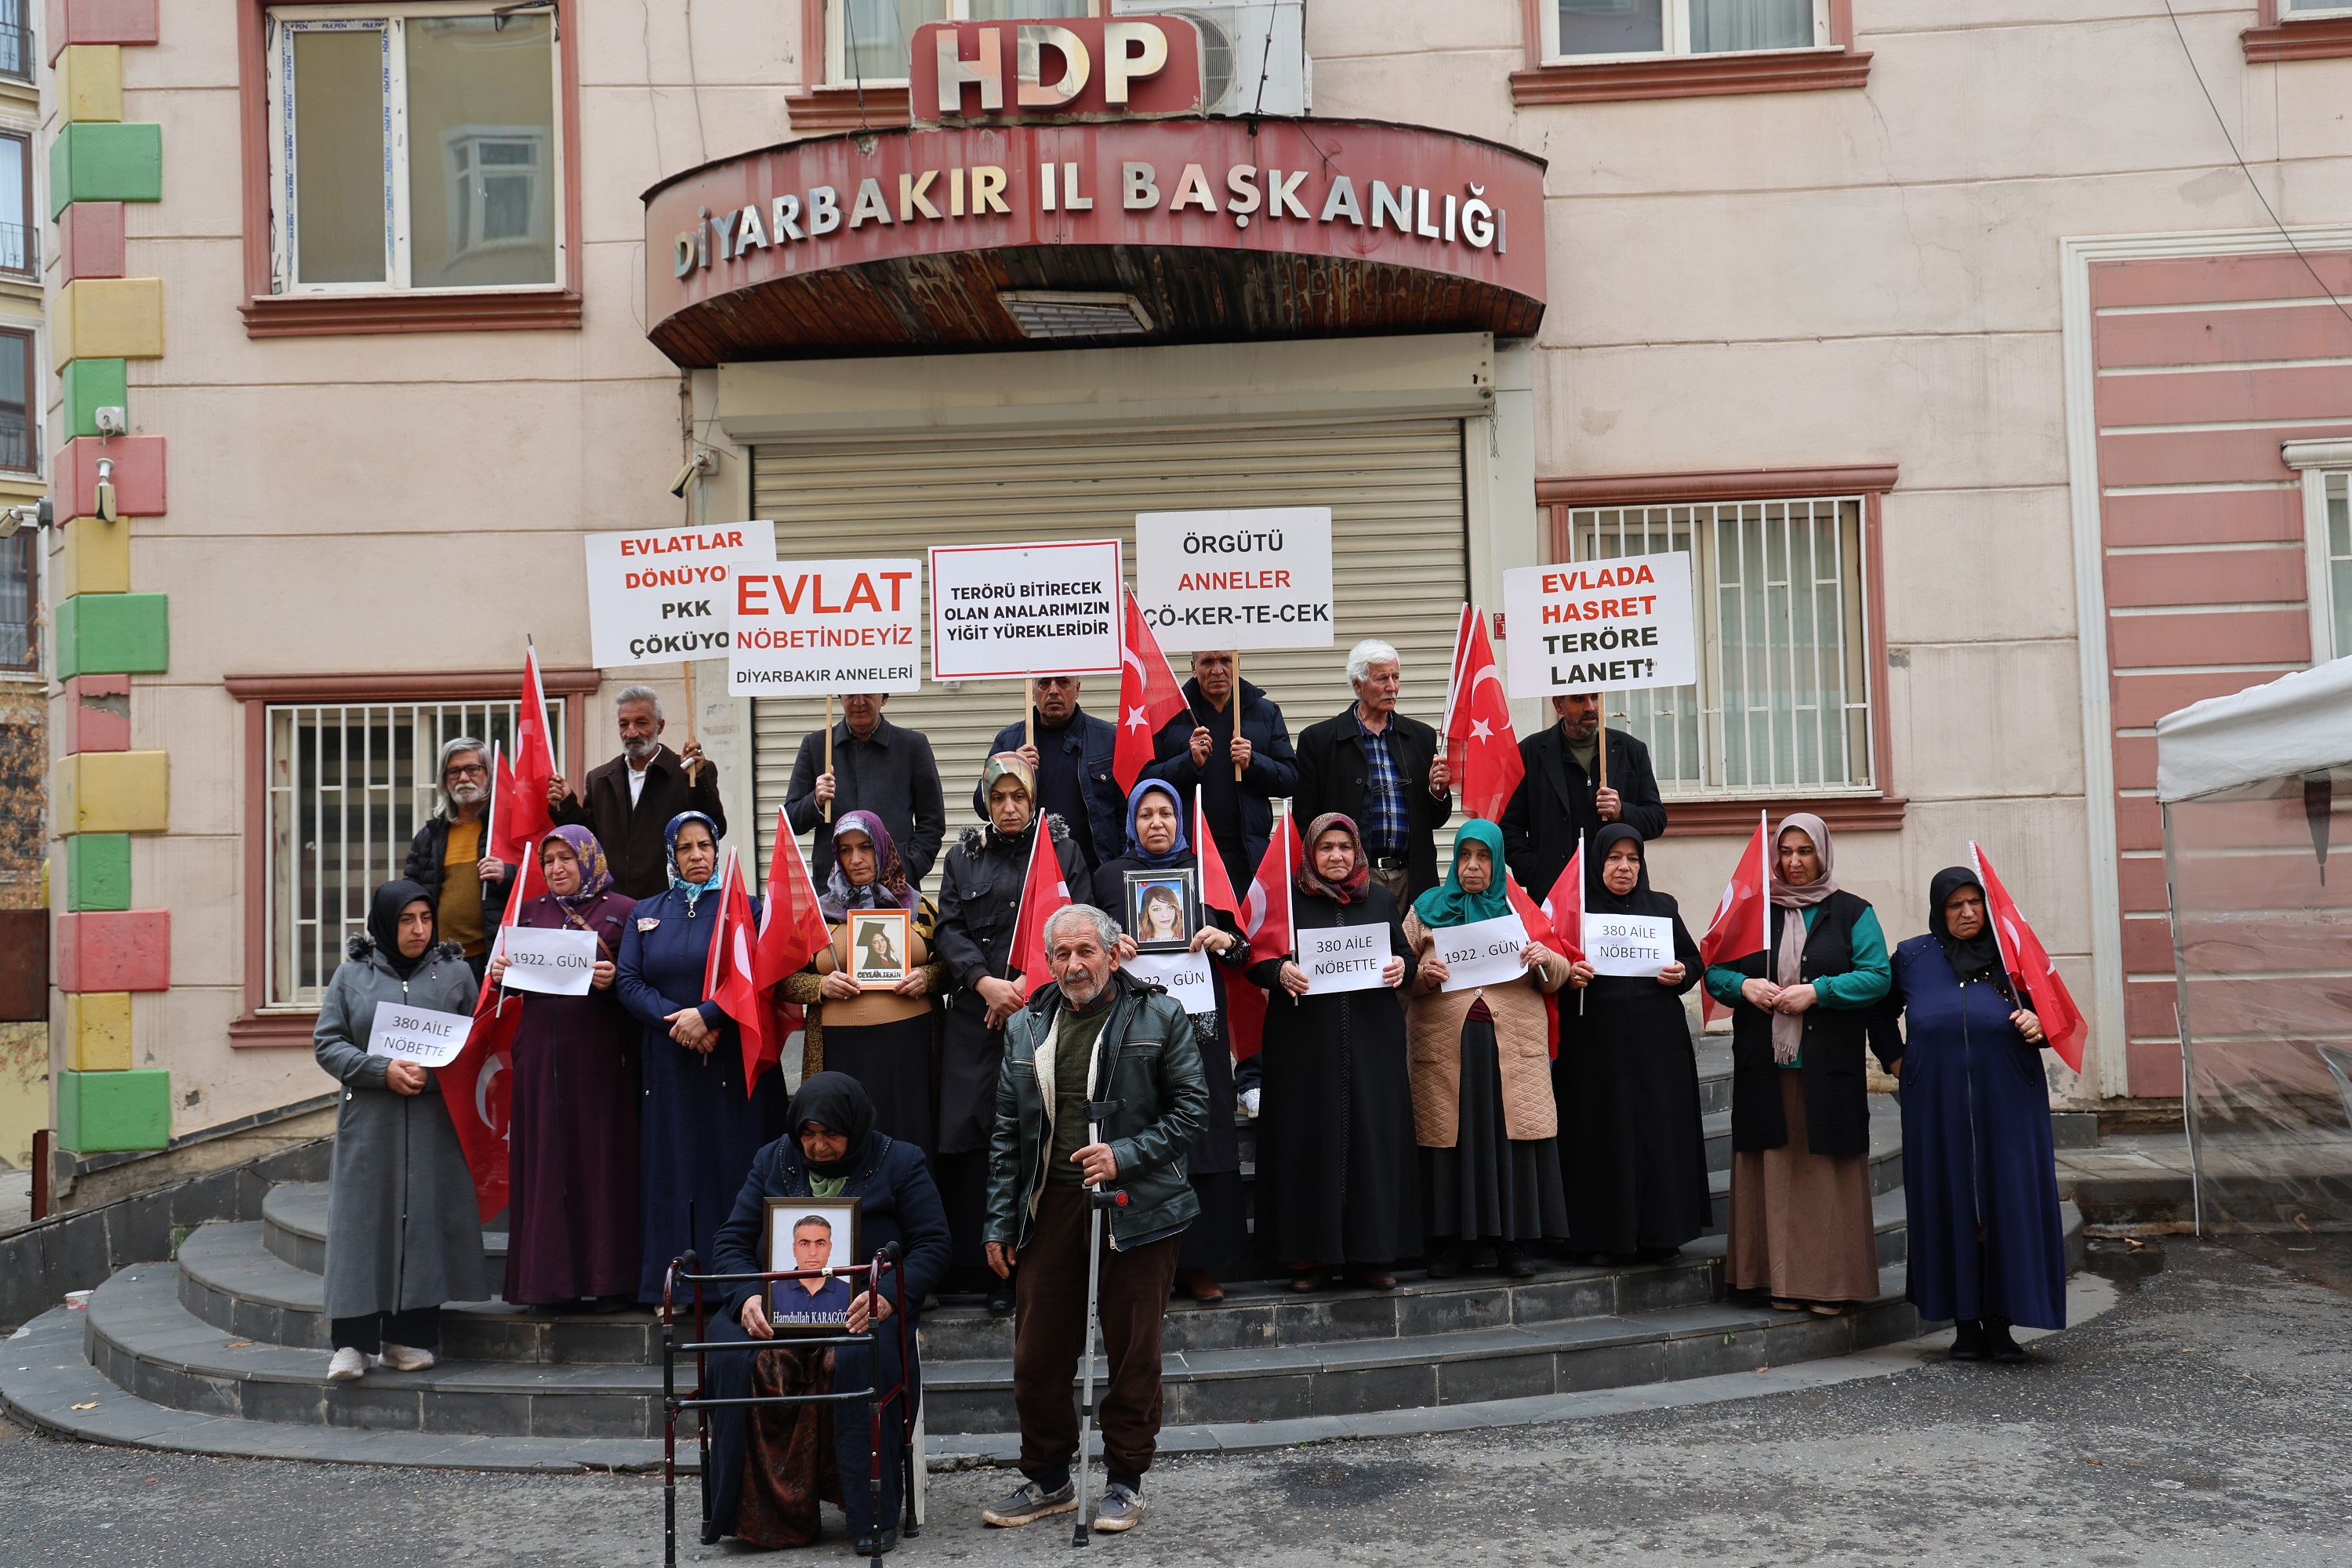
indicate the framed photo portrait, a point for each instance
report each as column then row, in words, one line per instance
column 1164, row 909
column 811, row 1232
column 878, row 947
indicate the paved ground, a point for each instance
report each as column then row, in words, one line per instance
column 2203, row 1421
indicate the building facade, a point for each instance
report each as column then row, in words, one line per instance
column 1994, row 382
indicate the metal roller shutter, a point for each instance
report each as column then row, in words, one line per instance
column 1399, row 541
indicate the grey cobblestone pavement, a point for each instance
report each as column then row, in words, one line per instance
column 2207, row 1419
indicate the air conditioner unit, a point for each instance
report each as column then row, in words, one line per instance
column 1253, row 52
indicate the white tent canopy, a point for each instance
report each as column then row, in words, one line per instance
column 2296, row 724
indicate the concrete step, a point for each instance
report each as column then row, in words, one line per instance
column 294, row 1228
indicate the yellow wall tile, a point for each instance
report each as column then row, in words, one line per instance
column 114, row 791
column 96, row 558
column 107, row 318
column 89, row 82
column 97, row 1030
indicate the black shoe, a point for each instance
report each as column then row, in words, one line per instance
column 1444, row 1262
column 1998, row 1343
column 604, row 1305
column 1482, row 1258
column 1514, row 1264
column 868, row 1547
column 1967, row 1340
column 710, row 1535
column 1000, row 1298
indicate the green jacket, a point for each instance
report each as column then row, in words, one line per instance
column 1148, row 1056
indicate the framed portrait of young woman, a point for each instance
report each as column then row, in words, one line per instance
column 877, row 947
column 1164, row 909
column 807, row 1233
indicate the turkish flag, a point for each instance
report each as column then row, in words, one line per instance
column 478, row 1087
column 1043, row 895
column 520, row 818
column 1742, row 922
column 1481, row 749
column 730, row 973
column 1563, row 906
column 1148, row 697
column 792, row 931
column 2030, row 969
column 1245, row 1002
column 1266, row 908
column 1216, row 888
column 1537, row 919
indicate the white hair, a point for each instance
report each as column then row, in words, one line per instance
column 450, row 748
column 629, row 694
column 1105, row 928
column 1368, row 653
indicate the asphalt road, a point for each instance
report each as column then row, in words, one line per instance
column 2206, row 1420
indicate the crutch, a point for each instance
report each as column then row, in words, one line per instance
column 1097, row 1201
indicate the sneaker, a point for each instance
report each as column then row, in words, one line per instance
column 405, row 1358
column 1122, row 1509
column 1030, row 1502
column 348, row 1366
column 1249, row 1103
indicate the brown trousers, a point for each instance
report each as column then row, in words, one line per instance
column 1049, row 1334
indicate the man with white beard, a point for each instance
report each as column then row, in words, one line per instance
column 628, row 803
column 450, row 859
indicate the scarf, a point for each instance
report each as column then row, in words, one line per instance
column 595, row 877
column 1179, row 851
column 838, row 1104
column 383, row 924
column 1002, row 765
column 1348, row 890
column 1642, row 900
column 1789, row 964
column 1451, row 904
column 889, row 876
column 693, row 890
column 1978, row 958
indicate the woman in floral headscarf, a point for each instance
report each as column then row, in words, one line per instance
column 884, row 1038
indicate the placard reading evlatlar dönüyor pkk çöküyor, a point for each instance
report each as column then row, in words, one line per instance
column 658, row 594
column 1601, row 626
column 1026, row 609
column 1250, row 579
column 820, row 627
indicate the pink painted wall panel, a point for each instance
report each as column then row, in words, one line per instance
column 2148, row 1012
column 2224, row 637
column 138, row 488
column 89, row 241
column 119, row 949
column 98, row 713
column 2216, row 396
column 2206, row 577
column 98, row 22
column 2139, row 823
column 2148, row 947
column 2205, row 280
column 2188, row 337
column 2142, row 883
column 2139, row 700
column 2154, row 1069
column 2135, row 762
column 2212, row 516
column 2203, row 457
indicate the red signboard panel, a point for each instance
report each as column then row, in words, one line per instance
column 1078, row 67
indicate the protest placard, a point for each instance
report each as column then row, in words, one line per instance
column 1628, row 944
column 1255, row 578
column 1601, row 626
column 661, row 594
column 1184, row 974
column 418, row 1034
column 1026, row 609
column 1483, row 953
column 554, row 960
column 816, row 628
column 1343, row 958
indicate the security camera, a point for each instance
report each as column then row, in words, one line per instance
column 702, row 465
column 113, row 420
column 103, row 506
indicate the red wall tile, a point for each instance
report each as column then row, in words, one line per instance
column 138, row 489
column 2250, row 636
column 2203, row 457
column 2139, row 700
column 2206, row 577
column 89, row 241
column 98, row 22
column 119, row 949
column 98, row 713
column 2213, row 516
column 2190, row 337
column 2305, row 392
column 2206, row 280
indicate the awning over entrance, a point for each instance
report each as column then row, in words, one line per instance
column 1162, row 231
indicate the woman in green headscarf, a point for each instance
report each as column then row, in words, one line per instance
column 1480, row 1060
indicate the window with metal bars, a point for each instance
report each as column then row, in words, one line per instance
column 350, row 784
column 867, row 41
column 1782, row 702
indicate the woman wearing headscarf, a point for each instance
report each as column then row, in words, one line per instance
column 698, row 1129
column 980, row 904
column 1987, row 1245
column 404, row 1234
column 1801, row 1222
column 1338, row 1180
column 771, row 1465
column 1632, row 1151
column 885, row 1039
column 1480, row 1058
column 571, row 1226
column 1156, row 842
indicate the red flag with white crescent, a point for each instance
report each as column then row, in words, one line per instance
column 1149, row 697
column 1266, row 908
column 478, row 1086
column 520, row 815
column 2031, row 969
column 1482, row 750
column 1043, row 894
column 1563, row 906
column 792, row 931
column 1742, row 922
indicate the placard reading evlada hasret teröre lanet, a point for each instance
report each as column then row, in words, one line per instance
column 1601, row 626
column 1048, row 608
column 811, row 627
column 659, row 594
column 1249, row 579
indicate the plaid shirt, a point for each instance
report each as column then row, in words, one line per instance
column 1383, row 825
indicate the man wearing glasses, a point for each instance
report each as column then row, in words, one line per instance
column 1072, row 757
column 450, row 859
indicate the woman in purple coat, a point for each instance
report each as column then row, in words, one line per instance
column 572, row 1232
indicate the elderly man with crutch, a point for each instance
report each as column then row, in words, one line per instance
column 1100, row 1095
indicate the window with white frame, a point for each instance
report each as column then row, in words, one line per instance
column 1590, row 29
column 413, row 147
column 2290, row 10
column 1783, row 700
column 2328, row 539
column 350, row 784
column 868, row 42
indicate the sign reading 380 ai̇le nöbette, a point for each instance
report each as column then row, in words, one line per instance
column 1601, row 626
column 1026, row 609
column 1256, row 578
column 815, row 627
column 658, row 594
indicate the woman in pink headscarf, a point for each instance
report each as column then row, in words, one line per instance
column 1800, row 1226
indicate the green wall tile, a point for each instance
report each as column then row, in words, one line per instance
column 97, row 162
column 104, row 1112
column 114, row 634
column 98, row 872
column 91, row 385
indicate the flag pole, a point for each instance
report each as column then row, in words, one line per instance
column 1584, row 866
column 828, row 750
column 490, row 813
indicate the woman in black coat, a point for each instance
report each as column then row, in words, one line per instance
column 980, row 905
column 1632, row 1152
column 768, row 1468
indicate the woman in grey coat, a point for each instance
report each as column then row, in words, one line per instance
column 403, row 1233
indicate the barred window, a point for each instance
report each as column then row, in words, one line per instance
column 1782, row 702
column 350, row 784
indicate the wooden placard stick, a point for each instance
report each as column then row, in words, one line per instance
column 1233, row 704
column 1028, row 712
column 828, row 751
column 1600, row 740
column 689, row 719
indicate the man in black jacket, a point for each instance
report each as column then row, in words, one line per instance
column 1385, row 772
column 468, row 886
column 1199, row 747
column 876, row 767
column 1560, row 803
column 627, row 803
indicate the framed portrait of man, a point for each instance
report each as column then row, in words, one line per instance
column 812, row 1234
column 878, row 946
column 1164, row 909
